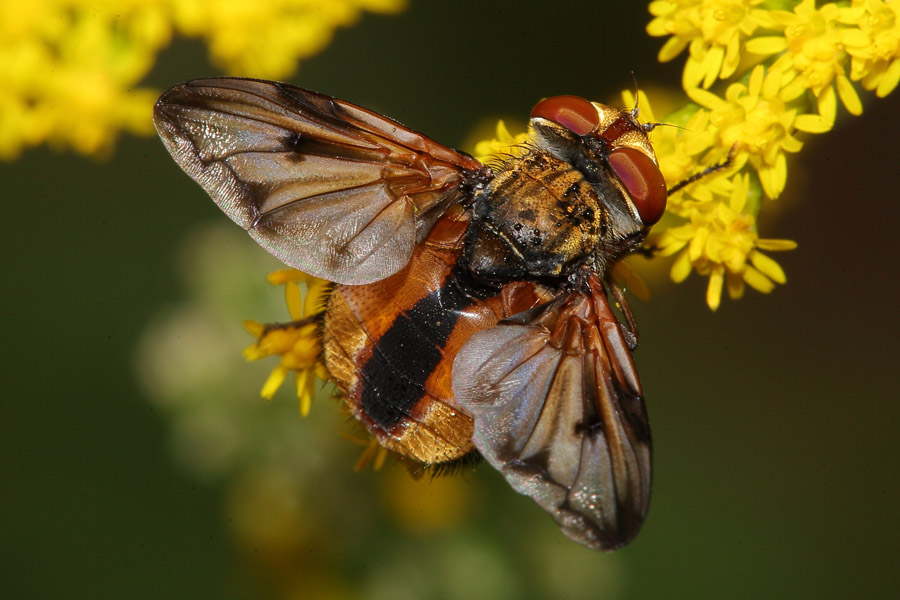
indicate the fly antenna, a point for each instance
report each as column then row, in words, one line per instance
column 648, row 127
column 707, row 171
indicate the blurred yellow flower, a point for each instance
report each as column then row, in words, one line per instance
column 266, row 39
column 69, row 69
column 266, row 512
column 426, row 504
column 503, row 144
column 296, row 342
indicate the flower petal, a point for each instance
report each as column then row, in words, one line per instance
column 712, row 65
column 828, row 104
column 304, row 397
column 768, row 267
column 848, row 95
column 671, row 49
column 758, row 281
column 254, row 328
column 813, row 123
column 681, row 268
column 889, row 79
column 766, row 45
column 276, row 378
column 734, row 284
column 714, row 288
column 282, row 276
column 773, row 245
column 294, row 300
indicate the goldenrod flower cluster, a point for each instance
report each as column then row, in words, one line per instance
column 759, row 72
column 70, row 69
column 756, row 76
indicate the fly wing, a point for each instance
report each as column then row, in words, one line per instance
column 558, row 409
column 332, row 189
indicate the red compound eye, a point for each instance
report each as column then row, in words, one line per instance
column 643, row 180
column 574, row 113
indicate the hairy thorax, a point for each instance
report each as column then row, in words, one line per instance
column 539, row 218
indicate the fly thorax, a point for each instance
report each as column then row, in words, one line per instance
column 538, row 218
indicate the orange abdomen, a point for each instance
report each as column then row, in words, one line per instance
column 390, row 345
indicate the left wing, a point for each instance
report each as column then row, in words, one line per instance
column 330, row 188
column 558, row 409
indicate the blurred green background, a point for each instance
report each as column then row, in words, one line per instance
column 776, row 457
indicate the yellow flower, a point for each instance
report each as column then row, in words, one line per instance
column 68, row 71
column 713, row 30
column 721, row 242
column 813, row 53
column 504, row 144
column 426, row 504
column 69, row 68
column 719, row 239
column 876, row 55
column 266, row 39
column 683, row 151
column 755, row 120
column 296, row 342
